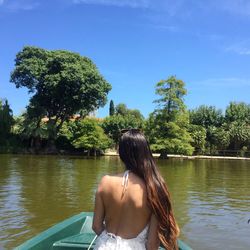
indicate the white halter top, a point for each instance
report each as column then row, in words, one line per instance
column 110, row 241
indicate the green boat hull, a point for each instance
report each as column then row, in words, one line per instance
column 72, row 234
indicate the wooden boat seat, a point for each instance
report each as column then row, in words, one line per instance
column 78, row 241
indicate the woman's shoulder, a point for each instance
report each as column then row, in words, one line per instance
column 108, row 180
column 109, row 177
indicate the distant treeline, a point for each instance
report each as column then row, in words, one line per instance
column 67, row 88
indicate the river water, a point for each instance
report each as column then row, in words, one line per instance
column 211, row 197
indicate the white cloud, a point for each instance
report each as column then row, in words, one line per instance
column 172, row 8
column 117, row 3
column 170, row 28
column 167, row 6
column 178, row 7
column 241, row 48
column 17, row 5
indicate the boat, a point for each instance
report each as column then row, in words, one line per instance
column 73, row 233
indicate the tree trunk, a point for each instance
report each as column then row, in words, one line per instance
column 163, row 155
column 51, row 147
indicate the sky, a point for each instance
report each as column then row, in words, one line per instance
column 135, row 44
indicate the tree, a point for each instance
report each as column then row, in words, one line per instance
column 113, row 125
column 217, row 139
column 123, row 118
column 239, row 133
column 171, row 136
column 31, row 130
column 121, row 109
column 221, row 138
column 239, row 112
column 63, row 83
column 198, row 134
column 237, row 117
column 170, row 119
column 86, row 134
column 151, row 128
column 136, row 113
column 171, row 92
column 111, row 108
column 6, row 120
column 210, row 118
column 206, row 116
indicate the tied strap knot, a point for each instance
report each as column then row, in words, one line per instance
column 112, row 236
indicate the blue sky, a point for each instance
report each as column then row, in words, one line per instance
column 136, row 43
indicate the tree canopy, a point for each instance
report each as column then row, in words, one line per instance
column 61, row 82
column 123, row 110
column 206, row 116
column 167, row 127
column 239, row 112
column 86, row 134
column 113, row 125
column 171, row 92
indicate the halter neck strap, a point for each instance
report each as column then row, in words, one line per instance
column 125, row 180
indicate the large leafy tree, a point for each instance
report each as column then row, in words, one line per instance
column 170, row 120
column 198, row 134
column 217, row 139
column 123, row 110
column 239, row 133
column 62, row 83
column 238, row 112
column 31, row 131
column 113, row 125
column 123, row 118
column 210, row 118
column 231, row 132
column 86, row 134
column 206, row 116
column 221, row 138
column 171, row 102
column 237, row 117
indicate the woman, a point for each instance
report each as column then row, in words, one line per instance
column 133, row 210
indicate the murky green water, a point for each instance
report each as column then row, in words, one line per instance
column 211, row 197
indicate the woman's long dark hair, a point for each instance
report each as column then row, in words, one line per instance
column 135, row 153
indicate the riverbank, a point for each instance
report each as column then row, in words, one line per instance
column 193, row 157
column 114, row 153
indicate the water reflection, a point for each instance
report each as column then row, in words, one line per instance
column 211, row 197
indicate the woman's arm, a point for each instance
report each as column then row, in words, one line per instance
column 153, row 241
column 99, row 212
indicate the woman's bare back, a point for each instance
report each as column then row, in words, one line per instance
column 126, row 209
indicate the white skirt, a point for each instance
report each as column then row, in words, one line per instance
column 109, row 241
